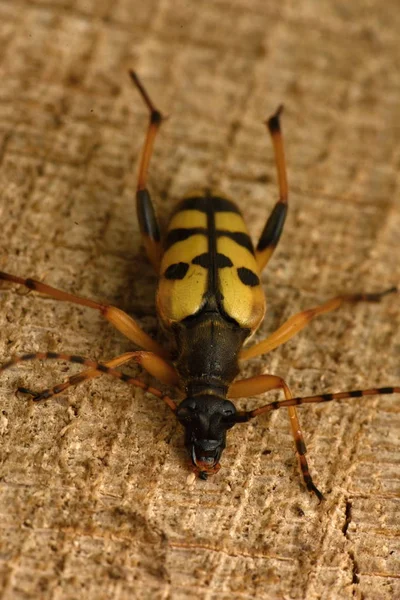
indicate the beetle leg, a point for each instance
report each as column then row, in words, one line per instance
column 96, row 366
column 291, row 402
column 147, row 218
column 273, row 228
column 153, row 364
column 297, row 322
column 243, row 388
column 121, row 321
column 301, row 448
column 263, row 383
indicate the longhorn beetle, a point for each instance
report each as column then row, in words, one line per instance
column 210, row 302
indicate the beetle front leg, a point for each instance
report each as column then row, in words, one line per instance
column 254, row 385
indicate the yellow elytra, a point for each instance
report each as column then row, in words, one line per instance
column 208, row 263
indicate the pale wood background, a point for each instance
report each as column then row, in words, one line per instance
column 94, row 500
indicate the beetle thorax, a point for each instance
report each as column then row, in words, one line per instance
column 208, row 353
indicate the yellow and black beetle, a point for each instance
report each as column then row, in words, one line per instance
column 210, row 302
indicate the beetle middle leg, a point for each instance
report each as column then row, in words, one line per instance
column 263, row 383
column 297, row 322
column 153, row 364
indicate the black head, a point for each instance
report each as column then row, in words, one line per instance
column 206, row 419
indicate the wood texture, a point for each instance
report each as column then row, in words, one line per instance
column 94, row 499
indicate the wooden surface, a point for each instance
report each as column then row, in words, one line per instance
column 94, row 498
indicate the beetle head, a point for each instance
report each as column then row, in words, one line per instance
column 206, row 419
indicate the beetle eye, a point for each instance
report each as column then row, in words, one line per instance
column 228, row 409
column 185, row 413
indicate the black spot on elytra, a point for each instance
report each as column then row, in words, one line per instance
column 248, row 277
column 223, row 261
column 203, row 260
column 176, row 271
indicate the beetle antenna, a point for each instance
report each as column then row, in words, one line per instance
column 244, row 416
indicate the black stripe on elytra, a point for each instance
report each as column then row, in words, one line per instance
column 146, row 216
column 204, row 260
column 181, row 234
column 273, row 227
column 248, row 277
column 176, row 271
column 241, row 238
column 206, row 204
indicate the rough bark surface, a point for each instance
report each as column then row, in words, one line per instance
column 94, row 498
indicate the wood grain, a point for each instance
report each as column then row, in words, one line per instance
column 94, row 499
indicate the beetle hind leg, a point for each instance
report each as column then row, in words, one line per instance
column 146, row 213
column 274, row 226
column 298, row 321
